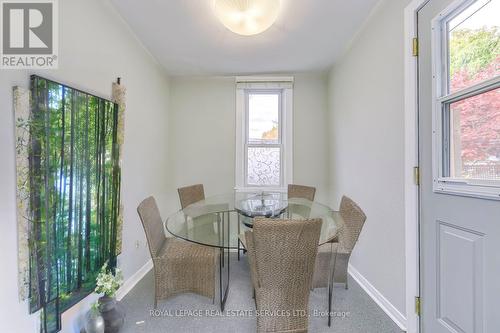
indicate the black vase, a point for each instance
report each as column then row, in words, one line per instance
column 113, row 317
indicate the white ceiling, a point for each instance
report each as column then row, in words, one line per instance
column 187, row 39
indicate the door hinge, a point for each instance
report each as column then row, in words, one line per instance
column 415, row 47
column 417, row 305
column 416, row 175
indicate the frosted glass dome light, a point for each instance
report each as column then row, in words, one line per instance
column 247, row 17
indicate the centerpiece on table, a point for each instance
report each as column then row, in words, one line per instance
column 107, row 284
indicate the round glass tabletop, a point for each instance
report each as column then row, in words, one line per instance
column 218, row 220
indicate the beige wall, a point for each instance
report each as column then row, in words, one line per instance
column 310, row 133
column 366, row 146
column 91, row 57
column 202, row 132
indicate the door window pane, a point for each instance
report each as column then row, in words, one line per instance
column 474, row 44
column 264, row 166
column 475, row 137
column 263, row 118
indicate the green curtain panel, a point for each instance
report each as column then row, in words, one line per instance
column 69, row 211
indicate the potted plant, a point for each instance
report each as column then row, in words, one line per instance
column 107, row 284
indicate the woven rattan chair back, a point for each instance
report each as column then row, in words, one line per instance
column 301, row 191
column 153, row 225
column 281, row 257
column 285, row 251
column 191, row 194
column 354, row 219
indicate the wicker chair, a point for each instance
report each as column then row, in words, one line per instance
column 301, row 191
column 191, row 194
column 354, row 219
column 281, row 256
column 179, row 266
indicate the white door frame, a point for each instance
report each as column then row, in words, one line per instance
column 411, row 160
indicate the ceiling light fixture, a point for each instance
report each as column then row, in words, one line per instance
column 247, row 17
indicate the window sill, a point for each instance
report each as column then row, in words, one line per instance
column 474, row 189
column 261, row 189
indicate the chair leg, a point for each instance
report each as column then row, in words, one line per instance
column 156, row 291
column 215, row 278
column 331, row 278
column 345, row 277
column 239, row 248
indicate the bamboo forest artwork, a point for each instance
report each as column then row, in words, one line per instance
column 68, row 146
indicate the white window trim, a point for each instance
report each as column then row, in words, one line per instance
column 285, row 85
column 487, row 189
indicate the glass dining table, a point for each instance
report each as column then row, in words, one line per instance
column 220, row 221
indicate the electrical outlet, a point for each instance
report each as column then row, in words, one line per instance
column 137, row 244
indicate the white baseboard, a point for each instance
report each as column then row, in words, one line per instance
column 381, row 301
column 132, row 281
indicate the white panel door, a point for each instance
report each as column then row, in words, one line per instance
column 460, row 233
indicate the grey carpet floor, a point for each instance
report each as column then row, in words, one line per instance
column 355, row 311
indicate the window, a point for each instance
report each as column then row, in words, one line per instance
column 263, row 148
column 263, row 138
column 467, row 99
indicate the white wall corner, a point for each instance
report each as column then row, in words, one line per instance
column 133, row 280
column 377, row 296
